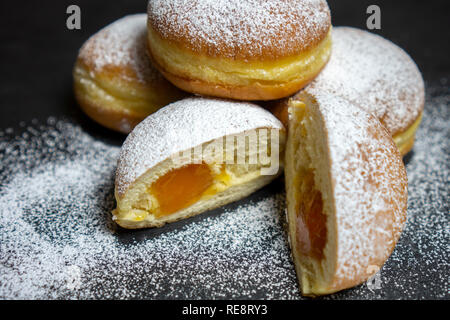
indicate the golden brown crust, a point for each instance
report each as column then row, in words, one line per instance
column 117, row 103
column 257, row 91
column 122, row 120
column 235, row 82
column 265, row 31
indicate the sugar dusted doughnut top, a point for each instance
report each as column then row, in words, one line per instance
column 181, row 126
column 242, row 29
column 375, row 74
column 121, row 48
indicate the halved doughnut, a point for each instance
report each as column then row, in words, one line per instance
column 195, row 155
column 346, row 193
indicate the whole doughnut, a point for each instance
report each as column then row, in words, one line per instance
column 240, row 49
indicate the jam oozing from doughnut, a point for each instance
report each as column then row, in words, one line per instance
column 311, row 220
column 180, row 188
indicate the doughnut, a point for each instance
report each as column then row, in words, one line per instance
column 194, row 155
column 243, row 50
column 114, row 81
column 346, row 190
column 376, row 75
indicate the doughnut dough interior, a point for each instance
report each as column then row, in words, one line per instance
column 346, row 193
column 170, row 167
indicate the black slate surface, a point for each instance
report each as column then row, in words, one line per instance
column 41, row 126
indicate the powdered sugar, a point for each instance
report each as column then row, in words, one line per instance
column 121, row 44
column 57, row 239
column 242, row 29
column 375, row 74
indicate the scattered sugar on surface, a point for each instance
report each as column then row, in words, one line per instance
column 57, row 239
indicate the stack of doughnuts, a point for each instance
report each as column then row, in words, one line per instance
column 221, row 97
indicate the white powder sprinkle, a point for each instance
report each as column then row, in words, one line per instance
column 121, row 44
column 375, row 74
column 57, row 239
column 242, row 28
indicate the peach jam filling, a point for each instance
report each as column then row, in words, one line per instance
column 311, row 221
column 182, row 187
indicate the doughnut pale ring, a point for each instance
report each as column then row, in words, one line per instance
column 375, row 74
column 114, row 80
column 346, row 193
column 246, row 50
column 179, row 162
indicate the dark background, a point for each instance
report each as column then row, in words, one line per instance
column 38, row 51
column 37, row 54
